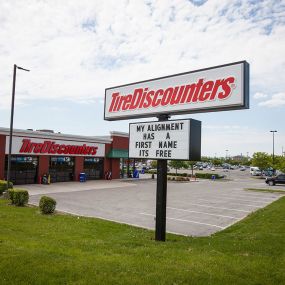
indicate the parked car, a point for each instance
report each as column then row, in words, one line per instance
column 267, row 173
column 255, row 171
column 279, row 179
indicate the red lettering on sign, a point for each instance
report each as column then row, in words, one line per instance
column 198, row 92
column 51, row 147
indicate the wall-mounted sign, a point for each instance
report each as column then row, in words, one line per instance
column 218, row 88
column 36, row 146
column 174, row 140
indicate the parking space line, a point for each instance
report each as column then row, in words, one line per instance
column 247, row 196
column 231, row 197
column 255, row 200
column 216, row 201
column 206, row 206
column 190, row 211
column 186, row 221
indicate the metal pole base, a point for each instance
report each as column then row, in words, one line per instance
column 161, row 195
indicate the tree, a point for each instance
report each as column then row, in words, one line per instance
column 261, row 160
column 153, row 164
column 191, row 165
column 177, row 164
column 280, row 163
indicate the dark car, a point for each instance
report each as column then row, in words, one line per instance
column 279, row 179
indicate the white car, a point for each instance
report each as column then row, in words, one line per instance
column 255, row 171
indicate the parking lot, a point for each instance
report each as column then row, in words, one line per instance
column 193, row 208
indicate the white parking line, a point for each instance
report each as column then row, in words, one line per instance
column 248, row 200
column 204, row 213
column 230, row 194
column 216, row 201
column 186, row 221
column 240, row 198
column 206, row 206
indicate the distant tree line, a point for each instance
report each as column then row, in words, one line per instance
column 262, row 160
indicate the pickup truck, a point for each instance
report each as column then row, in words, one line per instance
column 279, row 179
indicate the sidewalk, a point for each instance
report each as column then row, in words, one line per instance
column 60, row 187
column 72, row 186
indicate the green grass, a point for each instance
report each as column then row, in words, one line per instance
column 265, row 190
column 64, row 249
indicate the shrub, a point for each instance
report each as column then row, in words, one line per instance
column 208, row 175
column 150, row 171
column 179, row 178
column 19, row 197
column 182, row 178
column 47, row 205
column 198, row 175
column 10, row 193
column 3, row 186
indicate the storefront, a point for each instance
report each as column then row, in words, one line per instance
column 93, row 168
column 61, row 168
column 23, row 169
column 36, row 154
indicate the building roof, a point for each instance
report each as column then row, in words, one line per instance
column 58, row 136
column 119, row 134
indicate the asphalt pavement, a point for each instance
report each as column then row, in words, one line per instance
column 197, row 208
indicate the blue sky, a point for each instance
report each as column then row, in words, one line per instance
column 76, row 49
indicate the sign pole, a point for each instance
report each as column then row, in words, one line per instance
column 161, row 194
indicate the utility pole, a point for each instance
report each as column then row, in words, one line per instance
column 12, row 121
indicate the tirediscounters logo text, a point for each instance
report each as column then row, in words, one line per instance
column 36, row 146
column 213, row 89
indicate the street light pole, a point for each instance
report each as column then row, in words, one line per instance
column 12, row 120
column 273, row 147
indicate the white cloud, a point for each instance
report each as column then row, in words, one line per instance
column 238, row 139
column 77, row 49
column 259, row 95
column 277, row 100
column 232, row 128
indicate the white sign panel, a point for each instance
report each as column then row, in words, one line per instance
column 224, row 87
column 37, row 146
column 160, row 140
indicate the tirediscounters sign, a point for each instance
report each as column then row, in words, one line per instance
column 218, row 88
column 175, row 140
column 37, row 146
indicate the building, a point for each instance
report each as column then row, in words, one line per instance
column 62, row 156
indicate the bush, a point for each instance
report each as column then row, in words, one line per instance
column 198, row 175
column 19, row 197
column 3, row 186
column 10, row 194
column 181, row 178
column 47, row 205
column 208, row 175
column 177, row 178
column 150, row 171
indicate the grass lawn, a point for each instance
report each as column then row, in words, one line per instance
column 265, row 190
column 64, row 249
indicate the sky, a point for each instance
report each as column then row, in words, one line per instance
column 76, row 49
